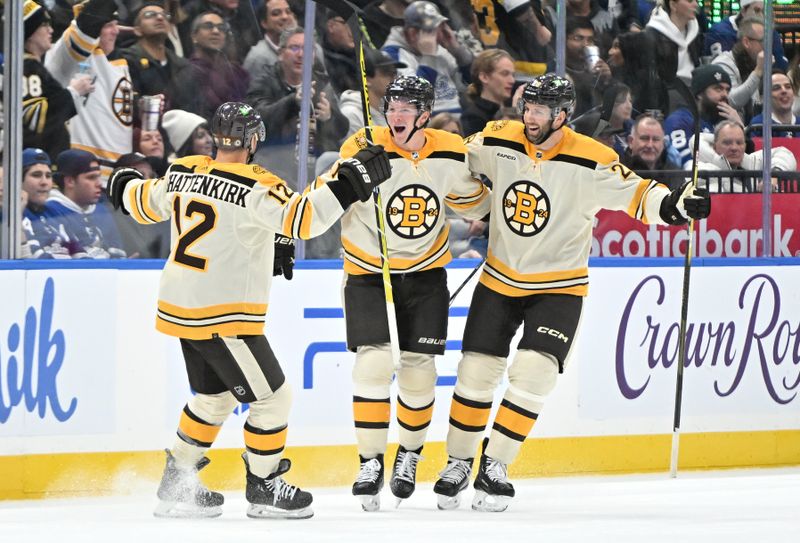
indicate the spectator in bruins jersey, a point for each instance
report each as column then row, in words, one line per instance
column 492, row 83
column 535, row 213
column 46, row 104
column 213, row 78
column 103, row 123
column 518, row 27
column 430, row 49
column 75, row 205
column 429, row 171
column 229, row 217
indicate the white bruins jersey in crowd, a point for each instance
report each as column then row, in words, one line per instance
column 413, row 200
column 224, row 219
column 544, row 203
column 103, row 125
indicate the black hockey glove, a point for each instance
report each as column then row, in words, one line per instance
column 684, row 203
column 284, row 257
column 366, row 170
column 116, row 185
column 94, row 15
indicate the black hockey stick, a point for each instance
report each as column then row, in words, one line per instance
column 350, row 13
column 467, row 280
column 687, row 270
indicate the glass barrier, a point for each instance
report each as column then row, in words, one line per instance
column 138, row 87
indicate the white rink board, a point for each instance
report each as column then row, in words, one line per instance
column 126, row 382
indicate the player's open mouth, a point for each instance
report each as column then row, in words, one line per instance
column 399, row 129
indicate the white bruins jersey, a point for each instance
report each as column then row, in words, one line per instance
column 544, row 203
column 104, row 123
column 413, row 204
column 224, row 219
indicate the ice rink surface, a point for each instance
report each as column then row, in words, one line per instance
column 709, row 507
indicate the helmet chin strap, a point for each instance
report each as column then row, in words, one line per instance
column 252, row 146
column 550, row 130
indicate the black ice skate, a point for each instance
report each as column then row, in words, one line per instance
column 453, row 479
column 272, row 497
column 493, row 491
column 404, row 473
column 182, row 495
column 369, row 483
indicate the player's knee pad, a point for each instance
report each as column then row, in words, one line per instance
column 272, row 411
column 533, row 374
column 212, row 408
column 417, row 374
column 480, row 373
column 374, row 367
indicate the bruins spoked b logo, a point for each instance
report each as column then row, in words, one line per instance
column 526, row 208
column 412, row 212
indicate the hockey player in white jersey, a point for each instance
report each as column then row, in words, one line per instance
column 429, row 171
column 548, row 184
column 226, row 214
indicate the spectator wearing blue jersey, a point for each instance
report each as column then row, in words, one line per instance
column 74, row 205
column 722, row 36
column 43, row 236
column 782, row 100
column 710, row 87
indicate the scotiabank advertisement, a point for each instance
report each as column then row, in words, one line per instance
column 733, row 230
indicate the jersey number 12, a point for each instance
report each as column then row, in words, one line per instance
column 196, row 230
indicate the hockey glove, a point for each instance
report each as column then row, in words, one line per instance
column 116, row 185
column 284, row 257
column 94, row 15
column 684, row 203
column 366, row 170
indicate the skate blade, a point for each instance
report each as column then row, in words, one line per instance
column 446, row 503
column 370, row 503
column 260, row 511
column 488, row 502
column 166, row 509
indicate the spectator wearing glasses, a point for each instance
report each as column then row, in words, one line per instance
column 236, row 13
column 590, row 76
column 723, row 35
column 213, row 78
column 154, row 67
column 276, row 93
column 46, row 104
column 745, row 64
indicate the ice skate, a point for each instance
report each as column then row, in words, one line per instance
column 182, row 495
column 453, row 479
column 272, row 497
column 404, row 473
column 493, row 491
column 369, row 483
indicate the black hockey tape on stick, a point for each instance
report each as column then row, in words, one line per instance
column 687, row 270
column 467, row 280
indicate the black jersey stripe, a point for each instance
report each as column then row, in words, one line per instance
column 236, row 178
column 498, row 142
column 557, row 282
column 452, row 155
column 578, row 161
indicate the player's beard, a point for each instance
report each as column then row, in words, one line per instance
column 544, row 132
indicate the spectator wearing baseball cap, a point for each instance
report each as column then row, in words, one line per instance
column 710, row 87
column 76, row 206
column 380, row 70
column 429, row 48
column 43, row 238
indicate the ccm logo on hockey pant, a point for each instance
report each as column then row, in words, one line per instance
column 552, row 332
column 361, row 169
column 431, row 341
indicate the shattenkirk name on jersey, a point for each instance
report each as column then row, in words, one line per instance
column 209, row 185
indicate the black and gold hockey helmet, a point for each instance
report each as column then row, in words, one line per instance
column 234, row 125
column 413, row 89
column 549, row 90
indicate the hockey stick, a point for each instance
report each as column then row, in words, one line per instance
column 350, row 14
column 687, row 270
column 467, row 280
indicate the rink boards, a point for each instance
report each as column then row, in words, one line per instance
column 90, row 393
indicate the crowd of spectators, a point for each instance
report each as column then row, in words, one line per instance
column 639, row 67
